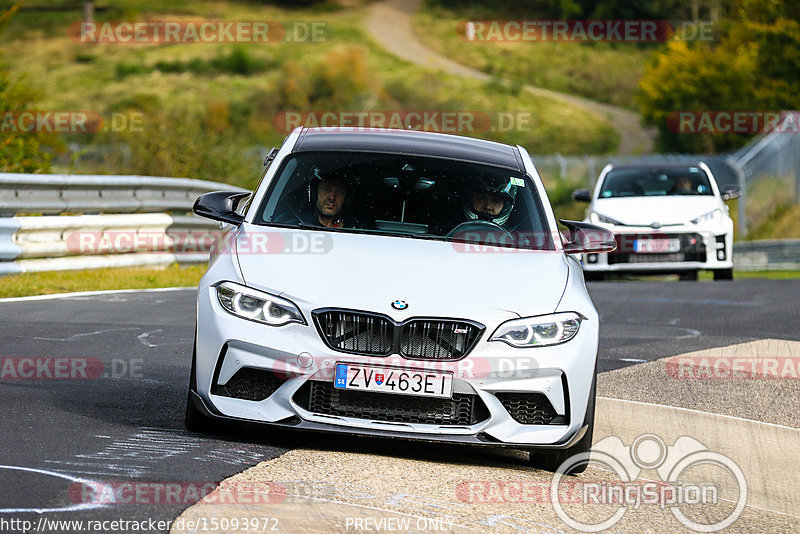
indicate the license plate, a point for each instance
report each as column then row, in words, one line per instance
column 388, row 380
column 657, row 245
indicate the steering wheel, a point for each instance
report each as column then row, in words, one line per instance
column 467, row 230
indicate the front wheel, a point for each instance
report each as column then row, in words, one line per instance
column 550, row 460
column 593, row 276
column 195, row 420
column 723, row 274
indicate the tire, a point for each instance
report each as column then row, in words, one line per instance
column 688, row 276
column 195, row 420
column 593, row 276
column 723, row 274
column 550, row 460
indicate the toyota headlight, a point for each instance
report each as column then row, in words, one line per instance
column 539, row 331
column 710, row 216
column 597, row 218
column 248, row 303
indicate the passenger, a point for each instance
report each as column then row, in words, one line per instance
column 490, row 202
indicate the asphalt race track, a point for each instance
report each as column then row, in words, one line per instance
column 123, row 422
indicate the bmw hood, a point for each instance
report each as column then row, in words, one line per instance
column 665, row 210
column 318, row 269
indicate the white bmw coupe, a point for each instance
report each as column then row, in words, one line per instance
column 399, row 284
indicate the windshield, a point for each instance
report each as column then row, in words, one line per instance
column 655, row 182
column 408, row 196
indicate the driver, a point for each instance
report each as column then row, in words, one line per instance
column 683, row 186
column 491, row 202
column 326, row 201
column 329, row 203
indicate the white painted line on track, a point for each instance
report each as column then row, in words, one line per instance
column 93, row 293
column 698, row 412
column 71, row 508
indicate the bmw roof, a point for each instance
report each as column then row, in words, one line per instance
column 410, row 142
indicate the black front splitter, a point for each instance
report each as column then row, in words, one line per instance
column 481, row 439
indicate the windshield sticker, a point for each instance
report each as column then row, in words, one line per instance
column 519, row 182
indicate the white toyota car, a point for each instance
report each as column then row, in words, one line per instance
column 666, row 219
column 398, row 284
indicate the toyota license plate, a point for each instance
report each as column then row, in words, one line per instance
column 388, row 380
column 657, row 245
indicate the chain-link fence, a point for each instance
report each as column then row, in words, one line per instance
column 768, row 170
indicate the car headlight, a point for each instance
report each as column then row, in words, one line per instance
column 597, row 218
column 248, row 303
column 539, row 331
column 710, row 216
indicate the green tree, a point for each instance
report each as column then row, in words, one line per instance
column 19, row 151
column 753, row 66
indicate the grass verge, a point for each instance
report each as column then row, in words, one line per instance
column 202, row 110
column 608, row 72
column 48, row 283
column 766, row 275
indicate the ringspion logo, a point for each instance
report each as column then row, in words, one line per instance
column 691, row 475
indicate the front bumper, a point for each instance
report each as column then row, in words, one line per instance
column 296, row 354
column 699, row 250
column 295, row 423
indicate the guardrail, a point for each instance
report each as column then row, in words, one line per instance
column 62, row 193
column 102, row 221
column 127, row 225
column 767, row 255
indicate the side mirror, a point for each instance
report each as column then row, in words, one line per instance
column 586, row 238
column 582, row 195
column 220, row 206
column 730, row 192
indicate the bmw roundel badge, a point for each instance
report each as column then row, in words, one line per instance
column 400, row 305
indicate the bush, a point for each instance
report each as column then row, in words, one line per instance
column 238, row 61
column 185, row 141
column 123, row 70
